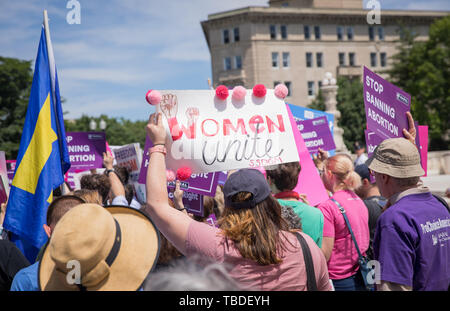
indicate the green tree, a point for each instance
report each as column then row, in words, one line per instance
column 422, row 68
column 15, row 86
column 318, row 103
column 351, row 106
column 118, row 131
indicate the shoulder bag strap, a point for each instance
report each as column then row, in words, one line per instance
column 348, row 225
column 310, row 275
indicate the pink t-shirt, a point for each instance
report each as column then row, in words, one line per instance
column 343, row 262
column 290, row 275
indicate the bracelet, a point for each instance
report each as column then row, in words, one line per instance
column 109, row 171
column 158, row 148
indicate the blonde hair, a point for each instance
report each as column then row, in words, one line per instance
column 342, row 167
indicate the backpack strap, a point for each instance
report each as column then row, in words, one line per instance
column 442, row 201
column 310, row 275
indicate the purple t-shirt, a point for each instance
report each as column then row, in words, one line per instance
column 412, row 243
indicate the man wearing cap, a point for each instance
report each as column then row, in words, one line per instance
column 412, row 237
column 361, row 156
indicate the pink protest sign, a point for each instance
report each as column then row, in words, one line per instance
column 309, row 181
column 423, row 149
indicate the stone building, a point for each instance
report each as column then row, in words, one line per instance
column 296, row 42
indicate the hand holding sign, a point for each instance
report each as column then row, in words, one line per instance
column 411, row 133
column 318, row 159
column 155, row 129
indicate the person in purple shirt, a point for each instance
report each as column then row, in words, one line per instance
column 412, row 237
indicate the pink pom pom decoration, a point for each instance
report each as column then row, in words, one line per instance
column 239, row 93
column 259, row 90
column 281, row 91
column 153, row 97
column 222, row 92
column 170, row 175
column 184, row 173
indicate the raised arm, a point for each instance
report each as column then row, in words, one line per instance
column 172, row 223
column 117, row 188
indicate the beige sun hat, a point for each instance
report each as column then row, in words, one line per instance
column 115, row 249
column 396, row 157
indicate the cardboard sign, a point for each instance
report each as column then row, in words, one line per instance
column 85, row 152
column 386, row 106
column 193, row 202
column 10, row 169
column 209, row 135
column 316, row 134
column 129, row 156
column 309, row 181
column 204, row 184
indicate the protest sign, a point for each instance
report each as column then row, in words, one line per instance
column 423, row 139
column 129, row 156
column 10, row 169
column 223, row 175
column 209, row 135
column 309, row 181
column 3, row 193
column 4, row 172
column 85, row 152
column 385, row 105
column 316, row 134
column 212, row 220
column 193, row 202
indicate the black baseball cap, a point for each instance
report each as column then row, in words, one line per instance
column 363, row 171
column 246, row 180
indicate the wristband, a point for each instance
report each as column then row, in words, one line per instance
column 109, row 171
column 158, row 148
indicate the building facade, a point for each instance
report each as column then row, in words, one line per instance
column 296, row 42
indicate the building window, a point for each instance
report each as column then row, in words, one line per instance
column 286, row 59
column 227, row 63
column 310, row 88
column 380, row 33
column 226, row 36
column 339, row 32
column 371, row 33
column 283, row 30
column 306, row 32
column 319, row 60
column 275, row 83
column 319, row 83
column 238, row 61
column 236, row 34
column 317, row 32
column 273, row 32
column 383, row 59
column 308, row 59
column 373, row 59
column 288, row 85
column 275, row 59
column 350, row 33
column 351, row 59
column 341, row 59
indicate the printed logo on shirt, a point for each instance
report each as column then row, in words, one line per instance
column 437, row 238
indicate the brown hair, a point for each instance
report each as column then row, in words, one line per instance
column 97, row 182
column 255, row 231
column 89, row 196
column 285, row 176
column 167, row 251
column 60, row 206
column 342, row 167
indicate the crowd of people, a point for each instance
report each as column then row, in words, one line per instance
column 267, row 236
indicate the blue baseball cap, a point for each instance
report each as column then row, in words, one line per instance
column 246, row 180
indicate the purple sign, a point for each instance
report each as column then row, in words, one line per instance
column 386, row 106
column 316, row 134
column 212, row 220
column 3, row 196
column 85, row 152
column 193, row 202
column 204, row 184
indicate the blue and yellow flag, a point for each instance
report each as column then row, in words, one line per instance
column 42, row 161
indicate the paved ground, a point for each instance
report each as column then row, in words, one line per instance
column 438, row 184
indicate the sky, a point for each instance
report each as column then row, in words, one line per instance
column 123, row 48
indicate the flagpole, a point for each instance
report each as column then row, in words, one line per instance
column 52, row 69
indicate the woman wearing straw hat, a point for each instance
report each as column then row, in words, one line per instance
column 253, row 239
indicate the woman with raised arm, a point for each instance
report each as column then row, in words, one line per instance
column 253, row 239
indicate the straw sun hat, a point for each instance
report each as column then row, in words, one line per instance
column 107, row 249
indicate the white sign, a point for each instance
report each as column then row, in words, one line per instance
column 129, row 156
column 208, row 134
